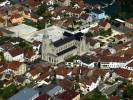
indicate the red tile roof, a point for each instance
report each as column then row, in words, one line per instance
column 114, row 59
column 129, row 51
column 43, row 97
column 88, row 80
column 6, row 46
column 14, row 65
column 123, row 73
column 62, row 71
column 103, row 23
column 120, row 36
column 38, row 69
column 28, row 54
column 99, row 72
column 15, row 51
column 67, row 95
column 15, row 16
column 3, row 66
column 120, row 47
column 114, row 98
column 66, row 84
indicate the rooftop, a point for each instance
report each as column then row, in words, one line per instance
column 24, row 94
column 22, row 30
column 67, row 95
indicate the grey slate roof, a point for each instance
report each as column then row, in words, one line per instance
column 25, row 94
column 63, row 41
column 55, row 90
column 66, row 50
column 67, row 38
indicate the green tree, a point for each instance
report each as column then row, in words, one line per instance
column 41, row 10
column 9, row 91
column 95, row 95
column 2, row 56
column 40, row 25
column 130, row 91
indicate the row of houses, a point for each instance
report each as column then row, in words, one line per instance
column 88, row 80
column 12, row 53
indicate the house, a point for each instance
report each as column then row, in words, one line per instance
column 58, row 47
column 37, row 46
column 121, row 38
column 66, row 84
column 68, row 95
column 6, row 46
column 25, row 94
column 36, row 71
column 50, row 90
column 64, row 2
column 127, row 52
column 49, row 2
column 86, row 18
column 98, row 14
column 54, row 91
column 92, row 80
column 119, row 47
column 93, row 43
column 14, row 54
column 17, row 68
column 75, row 12
column 104, row 25
column 129, row 23
column 102, row 52
column 94, row 29
column 26, row 14
column 21, row 80
column 124, row 74
column 89, row 84
column 62, row 72
column 16, row 18
column 107, row 62
column 30, row 56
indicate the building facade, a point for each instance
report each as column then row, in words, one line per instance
column 65, row 47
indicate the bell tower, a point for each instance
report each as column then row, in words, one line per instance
column 83, row 45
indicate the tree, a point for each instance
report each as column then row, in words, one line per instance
column 130, row 91
column 40, row 25
column 9, row 91
column 2, row 56
column 95, row 95
column 41, row 9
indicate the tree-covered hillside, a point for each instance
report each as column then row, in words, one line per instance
column 125, row 8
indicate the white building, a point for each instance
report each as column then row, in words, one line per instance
column 23, row 31
column 113, row 62
column 14, row 54
column 63, row 45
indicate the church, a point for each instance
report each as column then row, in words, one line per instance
column 57, row 48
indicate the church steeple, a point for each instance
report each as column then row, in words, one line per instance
column 82, row 47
